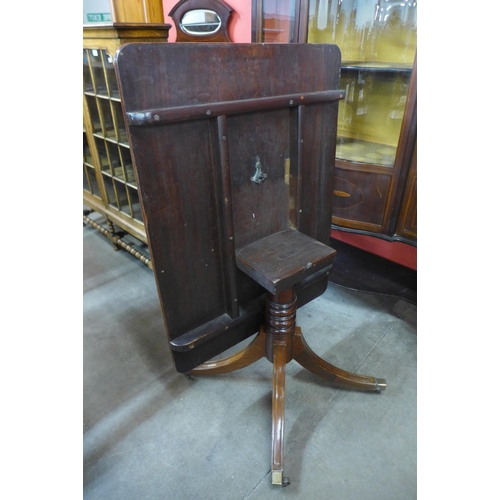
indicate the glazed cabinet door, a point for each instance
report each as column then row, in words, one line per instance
column 377, row 119
column 109, row 183
column 109, row 179
column 378, row 43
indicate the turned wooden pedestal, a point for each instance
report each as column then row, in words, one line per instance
column 276, row 262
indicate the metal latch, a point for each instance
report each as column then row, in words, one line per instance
column 259, row 176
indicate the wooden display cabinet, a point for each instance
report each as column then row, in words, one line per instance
column 109, row 184
column 375, row 167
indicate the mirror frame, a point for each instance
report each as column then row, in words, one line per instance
column 221, row 8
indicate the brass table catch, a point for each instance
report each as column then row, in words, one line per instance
column 259, row 176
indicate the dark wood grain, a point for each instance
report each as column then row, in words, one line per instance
column 281, row 260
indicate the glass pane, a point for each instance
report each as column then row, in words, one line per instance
column 122, row 197
column 127, row 164
column 94, row 115
column 278, row 21
column 136, row 207
column 110, row 75
column 93, row 188
column 86, row 185
column 107, row 118
column 87, row 158
column 103, row 155
column 114, row 159
column 87, row 79
column 110, row 191
column 98, row 71
column 119, row 122
column 200, row 22
column 378, row 41
column 371, row 116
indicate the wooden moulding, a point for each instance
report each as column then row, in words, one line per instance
column 132, row 31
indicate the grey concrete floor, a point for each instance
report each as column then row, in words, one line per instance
column 150, row 433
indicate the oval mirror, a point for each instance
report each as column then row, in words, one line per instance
column 200, row 22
